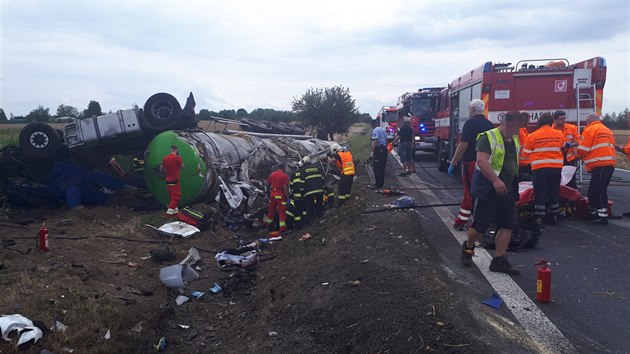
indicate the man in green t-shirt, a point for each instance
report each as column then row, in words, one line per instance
column 495, row 187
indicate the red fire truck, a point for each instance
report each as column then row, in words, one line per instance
column 535, row 86
column 421, row 108
column 389, row 120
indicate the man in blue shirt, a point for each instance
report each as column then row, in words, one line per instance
column 379, row 153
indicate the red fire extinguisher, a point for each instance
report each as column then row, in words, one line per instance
column 543, row 281
column 42, row 239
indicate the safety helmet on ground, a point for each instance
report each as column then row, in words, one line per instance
column 335, row 148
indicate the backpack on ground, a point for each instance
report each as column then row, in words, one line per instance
column 195, row 218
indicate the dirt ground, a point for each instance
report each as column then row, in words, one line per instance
column 364, row 282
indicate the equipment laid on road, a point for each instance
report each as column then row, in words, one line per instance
column 543, row 281
column 42, row 239
column 390, row 192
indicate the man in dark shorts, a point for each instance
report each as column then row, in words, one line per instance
column 495, row 187
column 405, row 148
column 475, row 125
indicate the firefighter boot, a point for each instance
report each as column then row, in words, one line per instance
column 467, row 254
column 501, row 265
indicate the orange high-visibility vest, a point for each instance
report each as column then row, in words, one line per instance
column 523, row 159
column 627, row 149
column 346, row 165
column 544, row 147
column 572, row 136
column 597, row 147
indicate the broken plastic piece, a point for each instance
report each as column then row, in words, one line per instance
column 9, row 323
column 197, row 294
column 495, row 301
column 138, row 327
column 181, row 299
column 192, row 257
column 161, row 346
column 177, row 275
column 59, row 327
column 215, row 288
column 108, row 335
column 305, row 237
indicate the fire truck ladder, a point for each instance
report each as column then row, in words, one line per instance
column 584, row 93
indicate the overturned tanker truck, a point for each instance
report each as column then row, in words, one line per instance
column 229, row 169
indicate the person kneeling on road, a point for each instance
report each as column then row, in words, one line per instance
column 495, row 187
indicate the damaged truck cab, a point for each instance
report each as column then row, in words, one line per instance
column 120, row 132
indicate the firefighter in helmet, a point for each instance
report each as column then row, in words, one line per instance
column 313, row 188
column 345, row 165
column 296, row 187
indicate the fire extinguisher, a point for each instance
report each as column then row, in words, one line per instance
column 543, row 281
column 42, row 239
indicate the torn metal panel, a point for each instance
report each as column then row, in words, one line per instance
column 234, row 167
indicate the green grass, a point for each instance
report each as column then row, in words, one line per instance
column 360, row 141
column 9, row 137
column 152, row 219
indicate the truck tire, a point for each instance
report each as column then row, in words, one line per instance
column 162, row 109
column 39, row 140
column 442, row 163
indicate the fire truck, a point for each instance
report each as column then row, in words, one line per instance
column 535, row 86
column 389, row 120
column 421, row 108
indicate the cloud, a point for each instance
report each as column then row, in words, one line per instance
column 251, row 54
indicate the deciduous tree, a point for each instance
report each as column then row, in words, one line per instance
column 93, row 110
column 330, row 110
column 203, row 114
column 3, row 116
column 39, row 114
column 67, row 111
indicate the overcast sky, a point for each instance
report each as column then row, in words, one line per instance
column 261, row 54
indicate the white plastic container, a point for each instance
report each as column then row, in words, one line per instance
column 177, row 275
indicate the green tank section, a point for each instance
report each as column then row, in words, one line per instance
column 192, row 178
column 222, row 167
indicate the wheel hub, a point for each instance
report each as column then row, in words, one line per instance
column 164, row 111
column 39, row 140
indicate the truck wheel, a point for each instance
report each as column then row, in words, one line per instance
column 162, row 109
column 441, row 157
column 39, row 140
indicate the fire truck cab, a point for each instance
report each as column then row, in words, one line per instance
column 535, row 86
column 421, row 108
column 389, row 121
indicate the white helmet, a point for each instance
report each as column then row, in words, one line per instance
column 335, row 148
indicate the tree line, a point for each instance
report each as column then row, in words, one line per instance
column 330, row 110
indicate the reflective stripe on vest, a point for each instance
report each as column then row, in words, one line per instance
column 347, row 165
column 545, row 148
column 497, row 149
column 597, row 146
column 523, row 159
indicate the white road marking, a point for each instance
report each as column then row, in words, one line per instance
column 540, row 329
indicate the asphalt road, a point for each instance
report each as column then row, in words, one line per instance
column 590, row 304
